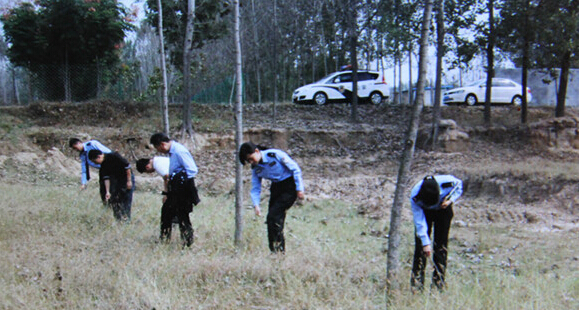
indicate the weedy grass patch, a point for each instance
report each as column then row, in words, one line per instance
column 62, row 249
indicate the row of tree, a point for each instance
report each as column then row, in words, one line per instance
column 286, row 43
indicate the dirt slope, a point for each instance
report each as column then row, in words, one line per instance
column 513, row 174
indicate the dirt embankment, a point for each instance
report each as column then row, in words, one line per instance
column 512, row 172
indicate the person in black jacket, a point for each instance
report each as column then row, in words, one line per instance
column 119, row 182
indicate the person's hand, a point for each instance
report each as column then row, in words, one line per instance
column 300, row 195
column 129, row 184
column 427, row 249
column 164, row 198
column 82, row 187
column 257, row 210
column 445, row 203
column 107, row 196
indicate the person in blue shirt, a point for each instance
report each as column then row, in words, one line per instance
column 431, row 201
column 182, row 193
column 286, row 186
column 85, row 162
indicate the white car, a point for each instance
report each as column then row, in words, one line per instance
column 337, row 87
column 503, row 91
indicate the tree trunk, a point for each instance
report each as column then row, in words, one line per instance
column 354, row 61
column 395, row 234
column 276, row 74
column 238, row 133
column 256, row 55
column 67, row 90
column 400, row 79
column 15, row 86
column 187, row 54
column 410, row 88
column 490, row 63
column 164, row 93
column 563, row 80
column 439, row 55
column 525, row 66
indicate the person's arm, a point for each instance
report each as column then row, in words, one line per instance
column 129, row 181
column 297, row 173
column 454, row 193
column 421, row 227
column 99, row 146
column 83, row 167
column 107, row 189
column 165, row 187
column 186, row 160
column 256, row 192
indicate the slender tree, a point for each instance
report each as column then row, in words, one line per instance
column 187, row 55
column 164, row 93
column 393, row 264
column 238, row 130
column 440, row 51
column 490, row 62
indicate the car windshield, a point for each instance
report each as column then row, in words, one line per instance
column 476, row 83
column 324, row 78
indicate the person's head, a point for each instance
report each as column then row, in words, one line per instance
column 161, row 142
column 429, row 192
column 249, row 153
column 145, row 165
column 76, row 144
column 96, row 156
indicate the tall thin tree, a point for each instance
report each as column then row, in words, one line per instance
column 187, row 55
column 393, row 264
column 440, row 50
column 490, row 63
column 238, row 131
column 164, row 92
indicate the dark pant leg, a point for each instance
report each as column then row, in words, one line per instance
column 102, row 191
column 442, row 223
column 419, row 263
column 283, row 196
column 167, row 215
column 185, row 227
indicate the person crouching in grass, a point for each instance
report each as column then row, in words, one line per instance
column 119, row 182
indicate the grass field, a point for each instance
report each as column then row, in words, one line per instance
column 62, row 250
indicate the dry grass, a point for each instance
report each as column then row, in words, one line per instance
column 62, row 250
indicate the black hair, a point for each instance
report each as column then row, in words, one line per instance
column 429, row 192
column 159, row 137
column 73, row 141
column 248, row 148
column 142, row 164
column 92, row 154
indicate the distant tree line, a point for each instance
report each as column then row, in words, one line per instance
column 285, row 43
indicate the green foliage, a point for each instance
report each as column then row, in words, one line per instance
column 79, row 31
column 210, row 23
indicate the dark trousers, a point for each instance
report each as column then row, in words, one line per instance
column 441, row 220
column 283, row 196
column 121, row 198
column 179, row 204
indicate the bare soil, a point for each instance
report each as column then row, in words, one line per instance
column 514, row 174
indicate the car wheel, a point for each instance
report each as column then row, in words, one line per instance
column 376, row 98
column 470, row 100
column 320, row 98
column 517, row 100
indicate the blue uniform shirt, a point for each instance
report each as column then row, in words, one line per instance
column 181, row 159
column 448, row 184
column 276, row 166
column 88, row 146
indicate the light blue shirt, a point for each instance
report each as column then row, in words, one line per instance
column 181, row 159
column 276, row 166
column 88, row 146
column 447, row 184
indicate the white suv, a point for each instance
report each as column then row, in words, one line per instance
column 337, row 87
